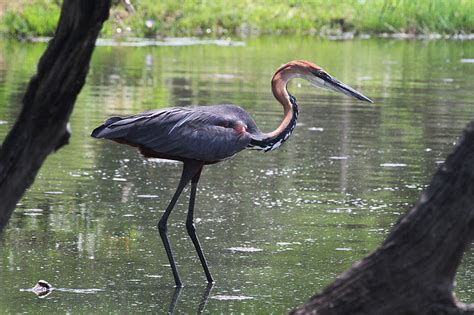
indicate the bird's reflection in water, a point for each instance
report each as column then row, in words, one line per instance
column 204, row 298
column 202, row 303
column 174, row 299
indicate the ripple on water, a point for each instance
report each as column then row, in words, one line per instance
column 147, row 196
column 393, row 165
column 245, row 249
column 223, row 297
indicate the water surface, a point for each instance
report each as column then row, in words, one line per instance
column 276, row 227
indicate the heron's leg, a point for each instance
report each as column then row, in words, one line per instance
column 191, row 228
column 189, row 170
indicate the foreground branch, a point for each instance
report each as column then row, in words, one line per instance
column 413, row 271
column 41, row 127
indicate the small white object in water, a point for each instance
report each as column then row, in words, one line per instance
column 467, row 60
column 119, row 179
column 338, row 157
column 316, row 129
column 156, row 160
column 32, row 214
column 224, row 297
column 147, row 196
column 245, row 249
column 344, row 248
column 153, row 276
column 393, row 165
column 34, row 210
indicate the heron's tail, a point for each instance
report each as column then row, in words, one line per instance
column 101, row 131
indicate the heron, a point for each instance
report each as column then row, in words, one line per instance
column 204, row 135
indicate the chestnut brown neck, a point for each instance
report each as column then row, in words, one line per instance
column 275, row 139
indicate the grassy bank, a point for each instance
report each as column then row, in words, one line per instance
column 254, row 17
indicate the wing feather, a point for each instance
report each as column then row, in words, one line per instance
column 184, row 132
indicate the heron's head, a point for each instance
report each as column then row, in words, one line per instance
column 316, row 76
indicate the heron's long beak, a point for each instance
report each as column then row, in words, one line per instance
column 328, row 82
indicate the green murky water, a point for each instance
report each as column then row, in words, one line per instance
column 276, row 227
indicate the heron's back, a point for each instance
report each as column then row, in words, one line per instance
column 206, row 133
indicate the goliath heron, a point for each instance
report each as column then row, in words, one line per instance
column 202, row 135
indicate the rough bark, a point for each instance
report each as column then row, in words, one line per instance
column 41, row 127
column 413, row 271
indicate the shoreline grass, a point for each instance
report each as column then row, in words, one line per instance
column 228, row 18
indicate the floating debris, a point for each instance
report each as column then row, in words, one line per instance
column 467, row 60
column 245, row 249
column 42, row 289
column 344, row 248
column 338, row 157
column 316, row 129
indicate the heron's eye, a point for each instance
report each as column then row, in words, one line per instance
column 323, row 75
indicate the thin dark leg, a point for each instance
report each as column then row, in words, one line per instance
column 192, row 229
column 189, row 170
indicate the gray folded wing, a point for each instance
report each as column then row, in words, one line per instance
column 180, row 132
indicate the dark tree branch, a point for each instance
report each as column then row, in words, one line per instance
column 413, row 271
column 41, row 127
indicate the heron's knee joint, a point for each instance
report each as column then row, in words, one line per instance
column 162, row 227
column 190, row 226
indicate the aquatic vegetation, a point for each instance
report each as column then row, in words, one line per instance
column 38, row 18
column 247, row 18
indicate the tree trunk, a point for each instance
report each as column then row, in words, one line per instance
column 413, row 271
column 41, row 127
